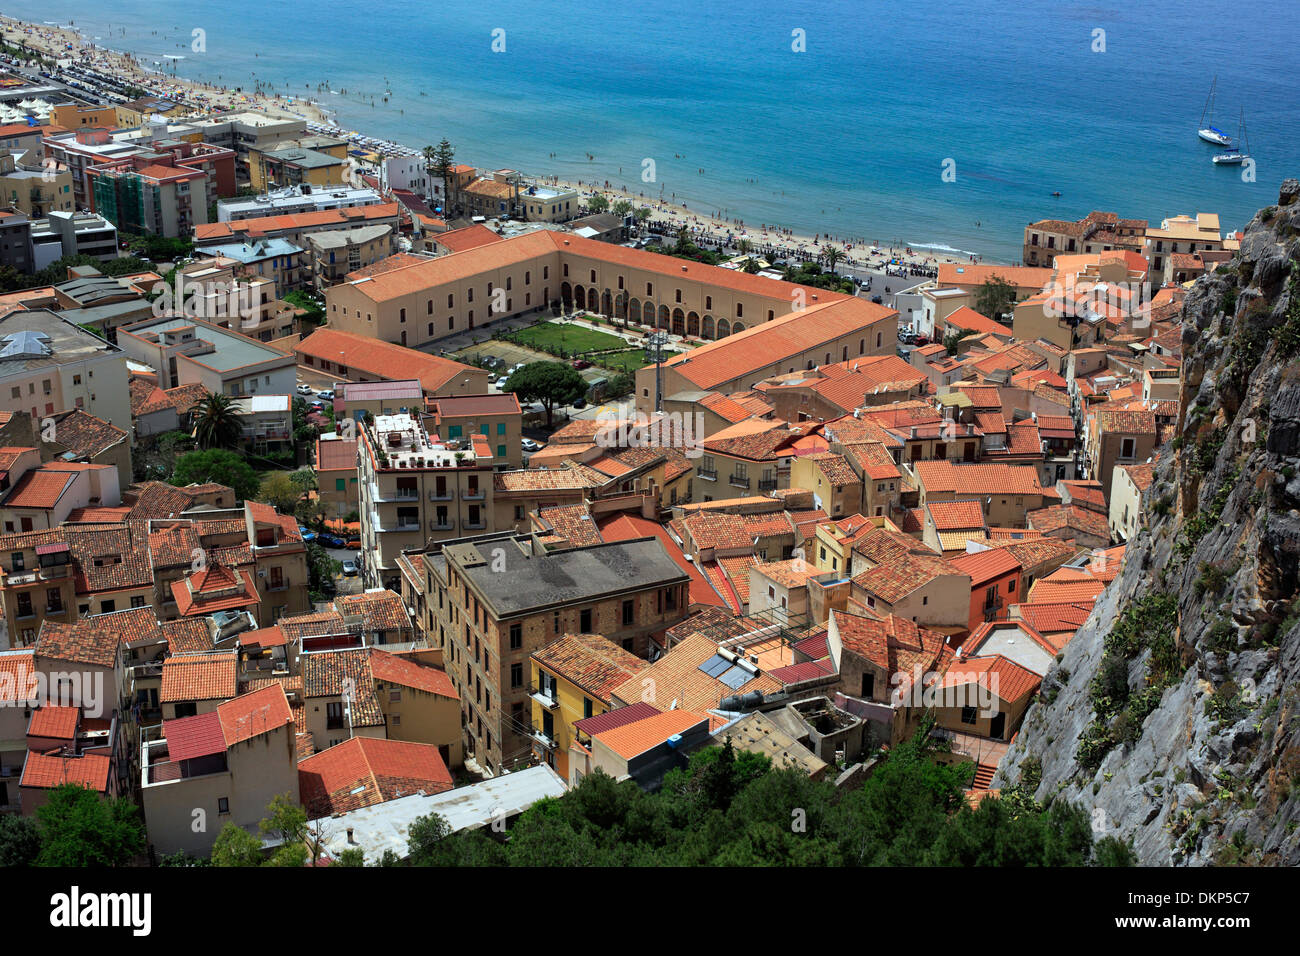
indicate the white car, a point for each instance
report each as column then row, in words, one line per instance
column 304, row 389
column 529, row 445
column 328, row 395
column 501, row 382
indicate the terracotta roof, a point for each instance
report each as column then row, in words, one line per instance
column 1007, row 679
column 677, row 678
column 1048, row 618
column 594, row 663
column 393, row 669
column 632, row 740
column 16, row 669
column 1141, row 475
column 187, row 634
column 1055, row 592
column 977, row 479
column 470, row 237
column 729, row 409
column 89, row 770
column 84, row 434
column 57, row 723
column 968, row 319
column 39, row 488
column 363, row 771
column 835, row 468
column 570, row 477
column 261, row 225
column 956, row 515
column 379, row 610
column 198, row 735
column 894, row 644
column 894, row 580
column 381, row 359
column 615, row 718
column 326, row 673
column 753, row 439
column 1069, row 518
column 193, row 677
column 84, row 642
column 986, row 566
column 250, row 715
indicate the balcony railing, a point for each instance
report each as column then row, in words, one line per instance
column 544, row 697
column 739, row 481
column 709, row 474
column 767, row 484
column 547, row 740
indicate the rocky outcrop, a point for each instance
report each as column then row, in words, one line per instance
column 1174, row 713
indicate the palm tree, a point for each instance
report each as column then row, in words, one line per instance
column 833, row 255
column 743, row 247
column 217, row 424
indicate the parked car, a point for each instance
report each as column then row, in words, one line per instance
column 922, row 340
column 306, row 535
column 529, row 445
column 501, row 382
column 353, row 544
column 350, row 568
column 328, row 395
column 304, row 389
column 580, row 403
column 318, row 405
column 878, row 300
column 580, row 364
column 330, row 541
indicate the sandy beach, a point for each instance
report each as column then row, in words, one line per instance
column 67, row 45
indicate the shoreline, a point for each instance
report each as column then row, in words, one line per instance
column 68, row 43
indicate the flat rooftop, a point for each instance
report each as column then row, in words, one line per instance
column 232, row 350
column 513, row 581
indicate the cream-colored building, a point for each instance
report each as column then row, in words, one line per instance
column 62, row 366
column 223, row 766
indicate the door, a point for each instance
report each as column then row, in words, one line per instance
column 998, row 726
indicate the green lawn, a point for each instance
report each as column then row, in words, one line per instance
column 547, row 336
column 629, row 362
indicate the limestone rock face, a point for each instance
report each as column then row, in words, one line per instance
column 1199, row 761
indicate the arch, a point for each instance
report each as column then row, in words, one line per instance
column 663, row 316
column 693, row 323
column 620, row 306
column 737, row 327
column 607, row 303
column 566, row 295
column 579, row 297
column 403, row 336
column 593, row 299
column 634, row 310
column 724, row 328
column 679, row 322
column 648, row 314
column 706, row 327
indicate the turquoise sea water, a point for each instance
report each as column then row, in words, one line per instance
column 848, row 137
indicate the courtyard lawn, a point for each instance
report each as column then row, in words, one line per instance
column 628, row 362
column 552, row 336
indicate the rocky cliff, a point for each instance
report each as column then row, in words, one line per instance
column 1174, row 713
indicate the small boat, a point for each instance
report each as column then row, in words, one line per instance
column 1057, row 195
column 1239, row 154
column 1209, row 132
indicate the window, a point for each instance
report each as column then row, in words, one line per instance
column 585, row 620
column 556, row 623
column 628, row 611
column 1128, row 447
column 516, row 636
column 223, row 804
column 516, row 675
column 586, row 707
column 968, row 715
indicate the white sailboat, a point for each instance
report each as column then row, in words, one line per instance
column 1236, row 155
column 1209, row 132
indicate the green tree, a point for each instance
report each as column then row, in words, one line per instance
column 598, row 203
column 20, row 840
column 952, row 341
column 81, row 828
column 621, row 208
column 619, row 385
column 223, row 467
column 833, row 255
column 352, row 856
column 551, row 383
column 310, row 303
column 995, row 298
column 235, row 846
column 321, row 569
column 642, row 214
column 217, row 421
column 280, row 491
column 439, row 163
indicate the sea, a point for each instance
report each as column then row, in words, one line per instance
column 945, row 126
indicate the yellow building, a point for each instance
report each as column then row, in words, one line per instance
column 572, row 679
column 315, row 160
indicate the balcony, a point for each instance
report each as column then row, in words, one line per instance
column 739, row 481
column 544, row 697
column 441, row 524
column 708, row 474
column 767, row 484
column 406, row 494
column 547, row 740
